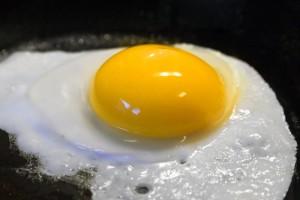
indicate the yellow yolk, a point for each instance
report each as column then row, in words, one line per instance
column 158, row 91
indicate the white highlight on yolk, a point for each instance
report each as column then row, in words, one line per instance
column 167, row 74
column 182, row 94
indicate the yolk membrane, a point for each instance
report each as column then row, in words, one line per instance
column 158, row 91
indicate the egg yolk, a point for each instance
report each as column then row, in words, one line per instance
column 158, row 91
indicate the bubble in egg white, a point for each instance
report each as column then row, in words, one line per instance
column 43, row 103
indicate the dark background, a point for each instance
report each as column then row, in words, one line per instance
column 266, row 34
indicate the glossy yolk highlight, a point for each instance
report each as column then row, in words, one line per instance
column 158, row 91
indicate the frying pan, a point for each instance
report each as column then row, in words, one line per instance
column 265, row 34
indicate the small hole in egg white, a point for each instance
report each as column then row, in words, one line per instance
column 182, row 161
column 142, row 189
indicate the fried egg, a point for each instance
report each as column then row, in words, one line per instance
column 153, row 121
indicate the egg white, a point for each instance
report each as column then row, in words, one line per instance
column 43, row 101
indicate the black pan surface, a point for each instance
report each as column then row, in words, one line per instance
column 265, row 34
